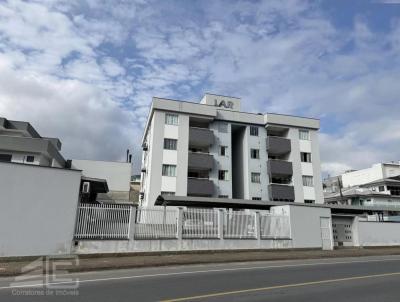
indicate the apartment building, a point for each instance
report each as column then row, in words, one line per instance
column 21, row 143
column 212, row 149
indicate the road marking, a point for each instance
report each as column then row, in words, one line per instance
column 213, row 295
column 201, row 272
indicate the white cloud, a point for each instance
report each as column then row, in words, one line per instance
column 88, row 122
column 106, row 60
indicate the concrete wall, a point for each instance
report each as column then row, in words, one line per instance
column 305, row 224
column 37, row 209
column 111, row 246
column 371, row 233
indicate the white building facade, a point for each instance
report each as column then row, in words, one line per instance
column 374, row 173
column 212, row 149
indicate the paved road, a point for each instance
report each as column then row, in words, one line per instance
column 340, row 279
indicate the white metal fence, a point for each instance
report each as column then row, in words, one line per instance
column 274, row 226
column 238, row 225
column 200, row 223
column 156, row 223
column 108, row 221
column 103, row 221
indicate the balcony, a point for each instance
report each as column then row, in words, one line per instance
column 200, row 161
column 280, row 168
column 200, row 187
column 200, row 137
column 279, row 192
column 278, row 145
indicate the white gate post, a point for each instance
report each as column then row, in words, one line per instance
column 257, row 227
column 221, row 213
column 132, row 223
column 179, row 224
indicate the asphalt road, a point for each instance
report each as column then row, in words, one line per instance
column 339, row 279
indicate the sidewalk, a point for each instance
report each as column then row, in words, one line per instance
column 13, row 266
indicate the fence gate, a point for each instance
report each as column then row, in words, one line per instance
column 103, row 221
column 326, row 233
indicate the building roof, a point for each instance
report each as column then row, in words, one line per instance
column 217, row 113
column 210, row 202
column 31, row 145
column 24, row 128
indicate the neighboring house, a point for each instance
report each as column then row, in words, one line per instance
column 101, row 181
column 374, row 173
column 375, row 186
column 212, row 149
column 21, row 143
column 117, row 175
column 332, row 184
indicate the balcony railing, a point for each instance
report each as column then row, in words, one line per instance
column 281, row 192
column 200, row 161
column 200, row 187
column 278, row 145
column 280, row 168
column 200, row 137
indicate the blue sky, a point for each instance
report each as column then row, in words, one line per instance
column 85, row 71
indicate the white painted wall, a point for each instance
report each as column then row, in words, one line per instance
column 182, row 155
column 305, row 224
column 371, row 233
column 257, row 165
column 37, row 209
column 117, row 174
column 222, row 187
column 376, row 172
column 294, row 157
column 20, row 157
column 316, row 165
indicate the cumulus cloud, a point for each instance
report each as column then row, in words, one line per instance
column 100, row 63
column 89, row 123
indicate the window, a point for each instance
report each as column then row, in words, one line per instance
column 308, row 181
column 223, row 175
column 381, row 188
column 170, row 144
column 255, row 153
column 253, row 131
column 309, row 201
column 255, row 177
column 223, row 196
column 256, row 198
column 169, row 170
column 304, row 135
column 165, row 193
column 5, row 157
column 171, row 119
column 30, row 159
column 223, row 150
column 305, row 157
column 223, row 127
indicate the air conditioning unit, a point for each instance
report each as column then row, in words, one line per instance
column 86, row 187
